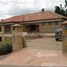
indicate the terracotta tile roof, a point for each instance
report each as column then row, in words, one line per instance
column 35, row 16
column 43, row 16
column 14, row 19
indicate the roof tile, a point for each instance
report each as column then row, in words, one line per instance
column 35, row 16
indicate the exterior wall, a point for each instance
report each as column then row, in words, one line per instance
column 48, row 28
column 42, row 29
column 45, row 28
column 19, row 29
column 24, row 28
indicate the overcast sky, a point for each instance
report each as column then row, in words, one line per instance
column 10, row 8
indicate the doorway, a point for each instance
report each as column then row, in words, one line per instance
column 32, row 28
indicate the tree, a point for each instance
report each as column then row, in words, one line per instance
column 62, row 12
column 60, row 9
column 65, row 3
column 57, row 9
column 66, row 12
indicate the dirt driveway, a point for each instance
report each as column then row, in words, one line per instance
column 39, row 52
column 45, row 43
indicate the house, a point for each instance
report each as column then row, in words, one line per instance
column 39, row 22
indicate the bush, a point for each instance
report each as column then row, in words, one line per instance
column 5, row 48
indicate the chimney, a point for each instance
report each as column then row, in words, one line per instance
column 42, row 10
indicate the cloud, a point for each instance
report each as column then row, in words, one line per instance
column 14, row 9
column 17, row 7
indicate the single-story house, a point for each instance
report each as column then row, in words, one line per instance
column 41, row 22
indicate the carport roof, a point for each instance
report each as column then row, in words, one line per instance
column 64, row 23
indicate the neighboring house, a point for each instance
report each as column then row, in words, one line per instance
column 39, row 22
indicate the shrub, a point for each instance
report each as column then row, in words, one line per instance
column 5, row 48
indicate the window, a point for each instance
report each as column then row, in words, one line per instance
column 49, row 23
column 0, row 39
column 7, row 28
column 43, row 24
column 56, row 23
column 0, row 28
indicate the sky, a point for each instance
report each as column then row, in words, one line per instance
column 10, row 8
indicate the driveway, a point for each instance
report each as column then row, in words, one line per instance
column 45, row 43
column 39, row 52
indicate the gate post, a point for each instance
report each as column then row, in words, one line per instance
column 64, row 36
column 17, row 38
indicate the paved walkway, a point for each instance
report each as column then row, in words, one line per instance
column 36, row 57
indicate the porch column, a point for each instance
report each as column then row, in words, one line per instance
column 3, row 29
column 2, row 32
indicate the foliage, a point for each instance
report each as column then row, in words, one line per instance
column 60, row 9
column 65, row 3
column 5, row 48
column 57, row 9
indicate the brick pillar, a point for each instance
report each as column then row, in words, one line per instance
column 64, row 35
column 17, row 38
